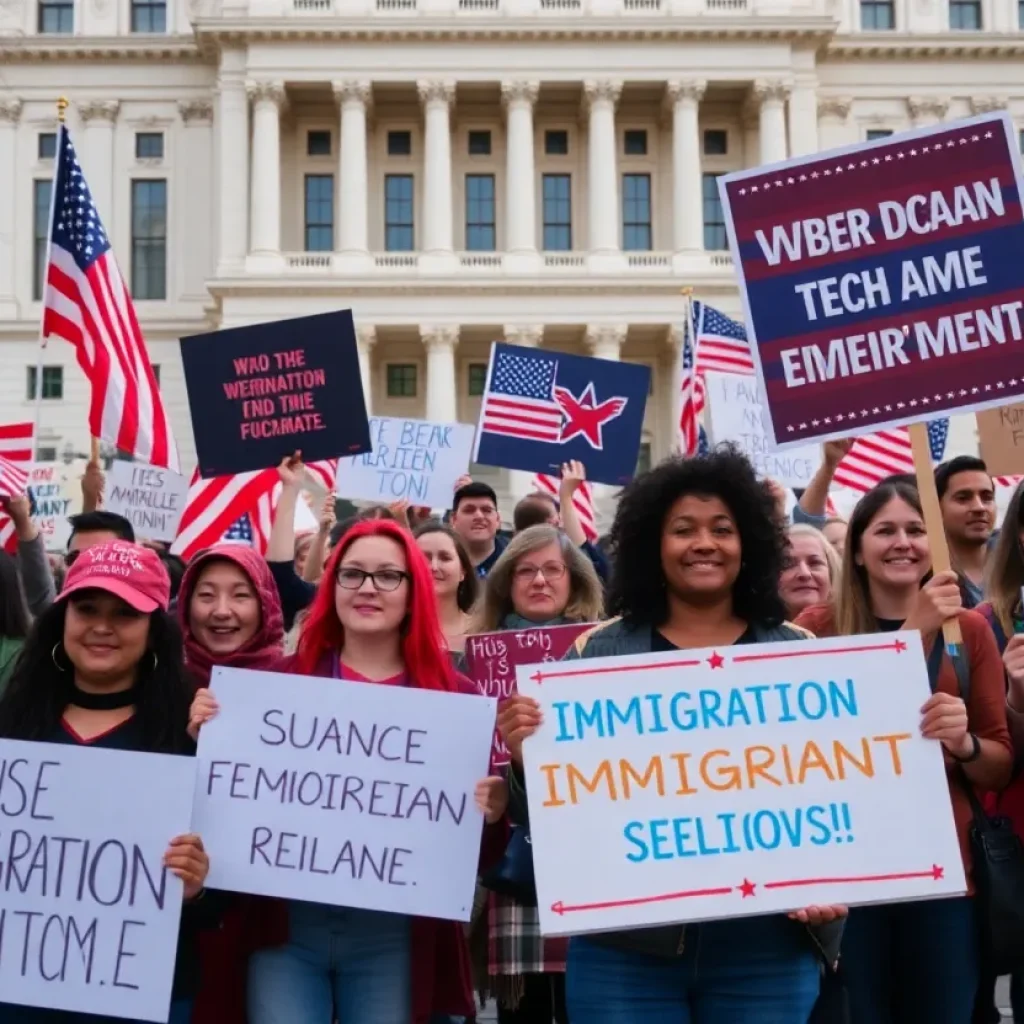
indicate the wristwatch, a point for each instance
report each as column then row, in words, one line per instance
column 973, row 755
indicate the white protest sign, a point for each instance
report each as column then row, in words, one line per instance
column 56, row 494
column 353, row 794
column 88, row 915
column 150, row 498
column 736, row 413
column 412, row 459
column 754, row 779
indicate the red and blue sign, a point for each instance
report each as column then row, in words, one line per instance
column 884, row 283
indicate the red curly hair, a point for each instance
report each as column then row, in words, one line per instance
column 424, row 649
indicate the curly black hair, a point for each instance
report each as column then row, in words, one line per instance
column 637, row 590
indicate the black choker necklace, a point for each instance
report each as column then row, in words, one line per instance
column 104, row 701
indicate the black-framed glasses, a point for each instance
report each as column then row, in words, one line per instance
column 549, row 570
column 384, row 580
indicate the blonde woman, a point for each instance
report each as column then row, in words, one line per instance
column 810, row 569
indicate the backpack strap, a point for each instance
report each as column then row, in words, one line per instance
column 960, row 667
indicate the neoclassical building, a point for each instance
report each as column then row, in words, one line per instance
column 455, row 171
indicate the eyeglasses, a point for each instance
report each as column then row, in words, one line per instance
column 384, row 580
column 551, row 571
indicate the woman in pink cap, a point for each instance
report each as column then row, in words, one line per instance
column 102, row 668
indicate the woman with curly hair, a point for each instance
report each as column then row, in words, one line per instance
column 698, row 552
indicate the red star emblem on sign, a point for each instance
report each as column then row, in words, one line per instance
column 584, row 416
column 747, row 888
column 716, row 660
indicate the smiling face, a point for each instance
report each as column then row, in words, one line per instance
column 224, row 612
column 360, row 605
column 805, row 578
column 541, row 584
column 104, row 638
column 700, row 548
column 476, row 520
column 969, row 508
column 443, row 559
column 894, row 547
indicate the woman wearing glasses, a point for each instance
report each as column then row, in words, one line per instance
column 541, row 579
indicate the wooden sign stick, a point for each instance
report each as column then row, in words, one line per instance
column 932, row 518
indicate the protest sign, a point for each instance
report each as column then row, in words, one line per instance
column 55, row 492
column 353, row 794
column 736, row 413
column 543, row 408
column 413, row 459
column 88, row 914
column 150, row 498
column 708, row 784
column 1001, row 440
column 881, row 282
column 256, row 394
column 491, row 660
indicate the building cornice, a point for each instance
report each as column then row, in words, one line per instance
column 901, row 46
column 125, row 49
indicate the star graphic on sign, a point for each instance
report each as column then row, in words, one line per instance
column 716, row 660
column 747, row 888
column 584, row 416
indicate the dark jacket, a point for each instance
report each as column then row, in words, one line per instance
column 612, row 639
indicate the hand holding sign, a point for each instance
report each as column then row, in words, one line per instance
column 519, row 718
column 187, row 859
column 938, row 600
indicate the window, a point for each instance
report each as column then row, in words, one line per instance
column 634, row 142
column 965, row 15
column 399, row 143
column 557, row 212
column 149, row 16
column 56, row 16
column 636, row 212
column 149, row 145
column 398, row 223
column 716, row 142
column 874, row 134
column 40, row 229
column 479, row 143
column 714, row 222
column 149, row 238
column 53, row 383
column 401, row 380
column 318, row 143
column 556, row 142
column 1020, row 13
column 47, row 454
column 477, row 379
column 47, row 145
column 877, row 15
column 319, row 213
column 156, row 373
column 480, row 235
column 643, row 459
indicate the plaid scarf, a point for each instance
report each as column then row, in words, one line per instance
column 515, row 948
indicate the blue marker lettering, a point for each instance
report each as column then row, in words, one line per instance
column 628, row 832
column 563, row 726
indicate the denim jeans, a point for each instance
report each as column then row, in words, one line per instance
column 759, row 970
column 340, row 963
column 912, row 961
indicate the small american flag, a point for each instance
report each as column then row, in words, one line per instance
column 582, row 501
column 240, row 531
column 874, row 457
column 16, row 453
column 938, row 433
column 519, row 400
column 87, row 305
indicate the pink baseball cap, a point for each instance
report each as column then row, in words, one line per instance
column 128, row 571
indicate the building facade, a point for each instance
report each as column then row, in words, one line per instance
column 455, row 171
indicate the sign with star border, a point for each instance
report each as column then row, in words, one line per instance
column 541, row 408
column 882, row 283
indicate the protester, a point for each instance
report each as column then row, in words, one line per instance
column 374, row 620
column 303, row 543
column 834, row 531
column 91, row 528
column 699, row 547
column 102, row 668
column 920, row 960
column 320, row 543
column 15, row 620
column 812, row 508
column 33, row 564
column 810, row 569
column 967, row 498
column 455, row 581
column 475, row 519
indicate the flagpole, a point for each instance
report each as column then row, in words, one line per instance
column 688, row 338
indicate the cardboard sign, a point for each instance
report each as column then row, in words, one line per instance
column 736, row 413
column 413, row 459
column 257, row 394
column 88, row 914
column 55, row 491
column 706, row 784
column 882, row 282
column 353, row 794
column 150, row 498
column 492, row 658
column 542, row 408
column 1001, row 440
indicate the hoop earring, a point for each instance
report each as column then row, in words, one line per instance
column 53, row 656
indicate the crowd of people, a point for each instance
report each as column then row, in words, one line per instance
column 700, row 554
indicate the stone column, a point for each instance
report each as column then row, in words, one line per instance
column 98, row 118
column 366, row 338
column 988, row 104
column 267, row 100
column 520, row 482
column 687, row 189
column 437, row 97
column 833, row 112
column 353, row 97
column 10, row 114
column 771, row 95
column 926, row 111
column 803, row 118
column 520, row 177
column 194, row 258
column 602, row 174
column 232, row 175
column 440, row 342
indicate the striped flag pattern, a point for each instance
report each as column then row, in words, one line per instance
column 874, row 457
column 87, row 304
column 16, row 455
column 582, row 502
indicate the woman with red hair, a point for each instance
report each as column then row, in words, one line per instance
column 374, row 620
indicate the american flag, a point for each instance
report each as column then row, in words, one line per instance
column 876, row 456
column 938, row 433
column 87, row 304
column 582, row 501
column 519, row 400
column 240, row 531
column 16, row 454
